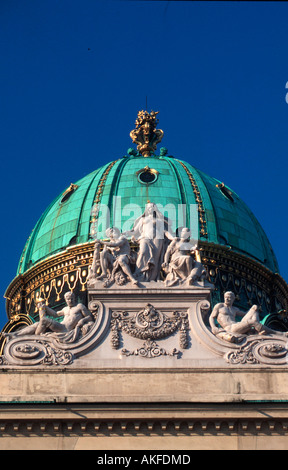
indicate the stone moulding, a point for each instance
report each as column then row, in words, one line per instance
column 154, row 427
column 88, row 420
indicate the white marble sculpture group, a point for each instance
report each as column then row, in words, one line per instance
column 152, row 259
column 159, row 257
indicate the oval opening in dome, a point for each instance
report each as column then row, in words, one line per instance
column 147, row 176
column 68, row 192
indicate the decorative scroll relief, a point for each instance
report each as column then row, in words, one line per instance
column 150, row 349
column 257, row 350
column 244, row 342
column 149, row 324
column 49, row 342
column 25, row 351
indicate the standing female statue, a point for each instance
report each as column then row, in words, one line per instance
column 150, row 231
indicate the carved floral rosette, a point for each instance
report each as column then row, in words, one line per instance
column 149, row 324
column 254, row 349
column 56, row 349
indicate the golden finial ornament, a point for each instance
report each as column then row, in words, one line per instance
column 146, row 136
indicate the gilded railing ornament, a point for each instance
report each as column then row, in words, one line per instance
column 146, row 136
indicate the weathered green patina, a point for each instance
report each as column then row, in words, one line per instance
column 223, row 218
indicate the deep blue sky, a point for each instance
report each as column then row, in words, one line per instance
column 74, row 74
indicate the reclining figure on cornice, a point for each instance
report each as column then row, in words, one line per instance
column 77, row 321
column 234, row 331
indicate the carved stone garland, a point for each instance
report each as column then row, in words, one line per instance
column 149, row 324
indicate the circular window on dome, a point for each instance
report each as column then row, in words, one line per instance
column 68, row 192
column 147, row 175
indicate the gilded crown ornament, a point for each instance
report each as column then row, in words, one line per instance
column 146, row 136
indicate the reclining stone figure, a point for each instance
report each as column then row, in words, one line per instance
column 75, row 317
column 232, row 330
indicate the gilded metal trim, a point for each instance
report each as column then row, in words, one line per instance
column 201, row 209
column 98, row 196
column 147, row 169
column 68, row 192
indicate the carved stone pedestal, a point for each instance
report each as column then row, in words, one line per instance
column 148, row 322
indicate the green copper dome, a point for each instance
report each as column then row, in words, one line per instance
column 223, row 218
